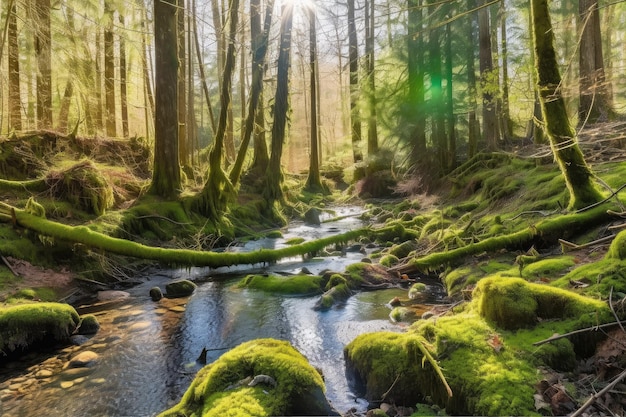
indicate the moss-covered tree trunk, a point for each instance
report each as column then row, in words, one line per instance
column 166, row 179
column 259, row 42
column 313, row 182
column 560, row 133
column 273, row 178
column 213, row 198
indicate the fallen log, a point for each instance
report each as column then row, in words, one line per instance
column 180, row 257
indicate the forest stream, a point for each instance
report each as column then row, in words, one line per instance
column 146, row 352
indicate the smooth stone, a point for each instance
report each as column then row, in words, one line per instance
column 177, row 309
column 44, row 373
column 140, row 325
column 85, row 358
column 78, row 339
column 67, row 384
column 112, row 295
column 73, row 373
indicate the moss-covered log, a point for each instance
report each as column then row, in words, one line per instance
column 542, row 234
column 86, row 236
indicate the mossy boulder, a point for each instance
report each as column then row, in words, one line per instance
column 88, row 325
column 225, row 387
column 513, row 303
column 292, row 285
column 181, row 288
column 155, row 293
column 23, row 326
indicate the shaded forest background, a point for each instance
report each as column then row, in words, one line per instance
column 420, row 84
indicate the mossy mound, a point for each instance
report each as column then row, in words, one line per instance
column 222, row 388
column 23, row 326
column 291, row 285
column 88, row 325
column 181, row 288
column 513, row 303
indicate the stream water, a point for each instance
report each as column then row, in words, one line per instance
column 147, row 351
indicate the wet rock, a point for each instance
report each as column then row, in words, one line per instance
column 178, row 309
column 85, row 358
column 156, row 294
column 306, row 271
column 67, row 384
column 312, row 216
column 78, row 339
column 44, row 373
column 395, row 301
column 182, row 288
column 112, row 295
column 73, row 373
column 140, row 325
column 88, row 325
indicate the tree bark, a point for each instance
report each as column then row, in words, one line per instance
column 258, row 42
column 594, row 105
column 15, row 99
column 43, row 50
column 183, row 150
column 109, row 71
column 564, row 144
column 451, row 159
column 166, row 178
column 273, row 178
column 123, row 81
column 415, row 47
column 313, row 182
column 487, row 77
column 473, row 129
column 372, row 128
column 355, row 116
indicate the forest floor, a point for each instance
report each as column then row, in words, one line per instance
column 492, row 191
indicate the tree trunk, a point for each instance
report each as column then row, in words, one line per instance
column 273, row 178
column 473, row 129
column 451, row 159
column 438, row 135
column 355, row 117
column 563, row 141
column 487, row 77
column 415, row 47
column 166, row 178
column 313, row 182
column 183, row 150
column 212, row 200
column 15, row 99
column 372, row 135
column 505, row 116
column 258, row 44
column 109, row 71
column 98, row 116
column 594, row 105
column 43, row 50
column 147, row 81
column 123, row 78
column 205, row 87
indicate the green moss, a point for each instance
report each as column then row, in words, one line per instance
column 597, row 278
column 513, row 303
column 180, row 288
column 559, row 355
column 274, row 234
column 24, row 325
column 416, row 289
column 299, row 387
column 617, row 250
column 37, row 294
column 388, row 260
column 294, row 241
column 403, row 249
column 548, row 267
column 293, row 285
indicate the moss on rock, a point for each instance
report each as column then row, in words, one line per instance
column 181, row 288
column 23, row 326
column 222, row 388
column 513, row 303
column 292, row 285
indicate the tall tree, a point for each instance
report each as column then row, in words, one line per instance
column 109, row 70
column 313, row 182
column 415, row 48
column 505, row 114
column 595, row 104
column 43, row 50
column 451, row 120
column 64, row 111
column 258, row 44
column 123, row 79
column 372, row 129
column 563, row 141
column 488, row 79
column 473, row 127
column 15, row 100
column 183, row 151
column 217, row 190
column 273, row 178
column 355, row 117
column 438, row 128
column 166, row 177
